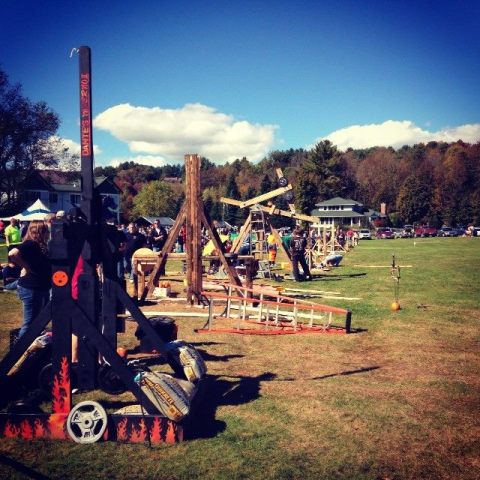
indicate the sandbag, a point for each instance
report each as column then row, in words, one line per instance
column 185, row 357
column 166, row 394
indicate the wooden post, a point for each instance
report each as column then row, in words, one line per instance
column 194, row 228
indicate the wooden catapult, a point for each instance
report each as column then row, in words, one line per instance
column 254, row 230
column 95, row 315
column 193, row 215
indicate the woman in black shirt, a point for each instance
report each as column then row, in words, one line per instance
column 34, row 282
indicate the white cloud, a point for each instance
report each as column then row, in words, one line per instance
column 396, row 134
column 152, row 160
column 74, row 147
column 195, row 128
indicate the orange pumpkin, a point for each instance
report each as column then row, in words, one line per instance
column 395, row 306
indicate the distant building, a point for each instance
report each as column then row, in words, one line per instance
column 57, row 193
column 344, row 211
column 166, row 222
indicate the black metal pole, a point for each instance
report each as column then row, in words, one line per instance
column 88, row 289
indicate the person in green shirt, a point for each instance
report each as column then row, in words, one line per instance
column 12, row 234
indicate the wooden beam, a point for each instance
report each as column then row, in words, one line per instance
column 162, row 256
column 261, row 198
column 276, row 211
column 217, row 243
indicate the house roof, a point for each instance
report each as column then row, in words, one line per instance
column 102, row 185
column 373, row 213
column 336, row 214
column 165, row 221
column 339, row 201
column 37, row 182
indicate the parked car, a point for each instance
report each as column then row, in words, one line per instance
column 448, row 232
column 425, row 231
column 364, row 234
column 384, row 232
column 472, row 231
column 407, row 231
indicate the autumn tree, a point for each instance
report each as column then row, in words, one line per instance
column 455, row 184
column 378, row 178
column 414, row 202
column 155, row 199
column 25, row 131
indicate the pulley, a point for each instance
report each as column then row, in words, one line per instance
column 87, row 422
column 282, row 182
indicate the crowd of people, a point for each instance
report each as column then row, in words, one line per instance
column 28, row 268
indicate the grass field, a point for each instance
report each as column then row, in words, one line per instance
column 399, row 400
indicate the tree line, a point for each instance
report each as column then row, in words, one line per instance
column 435, row 183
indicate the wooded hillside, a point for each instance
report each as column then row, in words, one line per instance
column 436, row 183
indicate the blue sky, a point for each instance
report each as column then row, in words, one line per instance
column 228, row 79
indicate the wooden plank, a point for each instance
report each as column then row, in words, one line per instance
column 162, row 256
column 229, row 269
column 276, row 211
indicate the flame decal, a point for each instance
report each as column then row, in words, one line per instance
column 39, row 429
column 122, row 430
column 156, row 432
column 11, row 431
column 139, row 435
column 26, row 430
column 61, row 392
column 170, row 436
column 57, row 423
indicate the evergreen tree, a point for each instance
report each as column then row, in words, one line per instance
column 266, row 185
column 414, row 202
column 323, row 169
column 231, row 191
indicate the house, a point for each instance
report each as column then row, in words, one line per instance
column 344, row 211
column 57, row 193
column 166, row 222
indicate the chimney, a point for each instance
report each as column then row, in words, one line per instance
column 383, row 208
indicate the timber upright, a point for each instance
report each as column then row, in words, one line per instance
column 78, row 247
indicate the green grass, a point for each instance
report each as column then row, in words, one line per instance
column 399, row 400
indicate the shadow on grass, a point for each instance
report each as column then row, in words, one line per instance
column 208, row 357
column 337, row 277
column 21, row 468
column 346, row 373
column 223, row 390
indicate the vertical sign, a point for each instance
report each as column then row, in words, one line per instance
column 87, row 280
column 86, row 141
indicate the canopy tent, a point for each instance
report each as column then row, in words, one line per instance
column 37, row 211
column 210, row 247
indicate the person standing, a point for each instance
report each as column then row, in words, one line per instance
column 12, row 234
column 298, row 246
column 158, row 236
column 35, row 279
column 133, row 241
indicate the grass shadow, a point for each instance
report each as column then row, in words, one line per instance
column 208, row 357
column 346, row 373
column 338, row 276
column 21, row 468
column 223, row 390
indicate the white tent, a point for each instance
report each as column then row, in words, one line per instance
column 37, row 211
